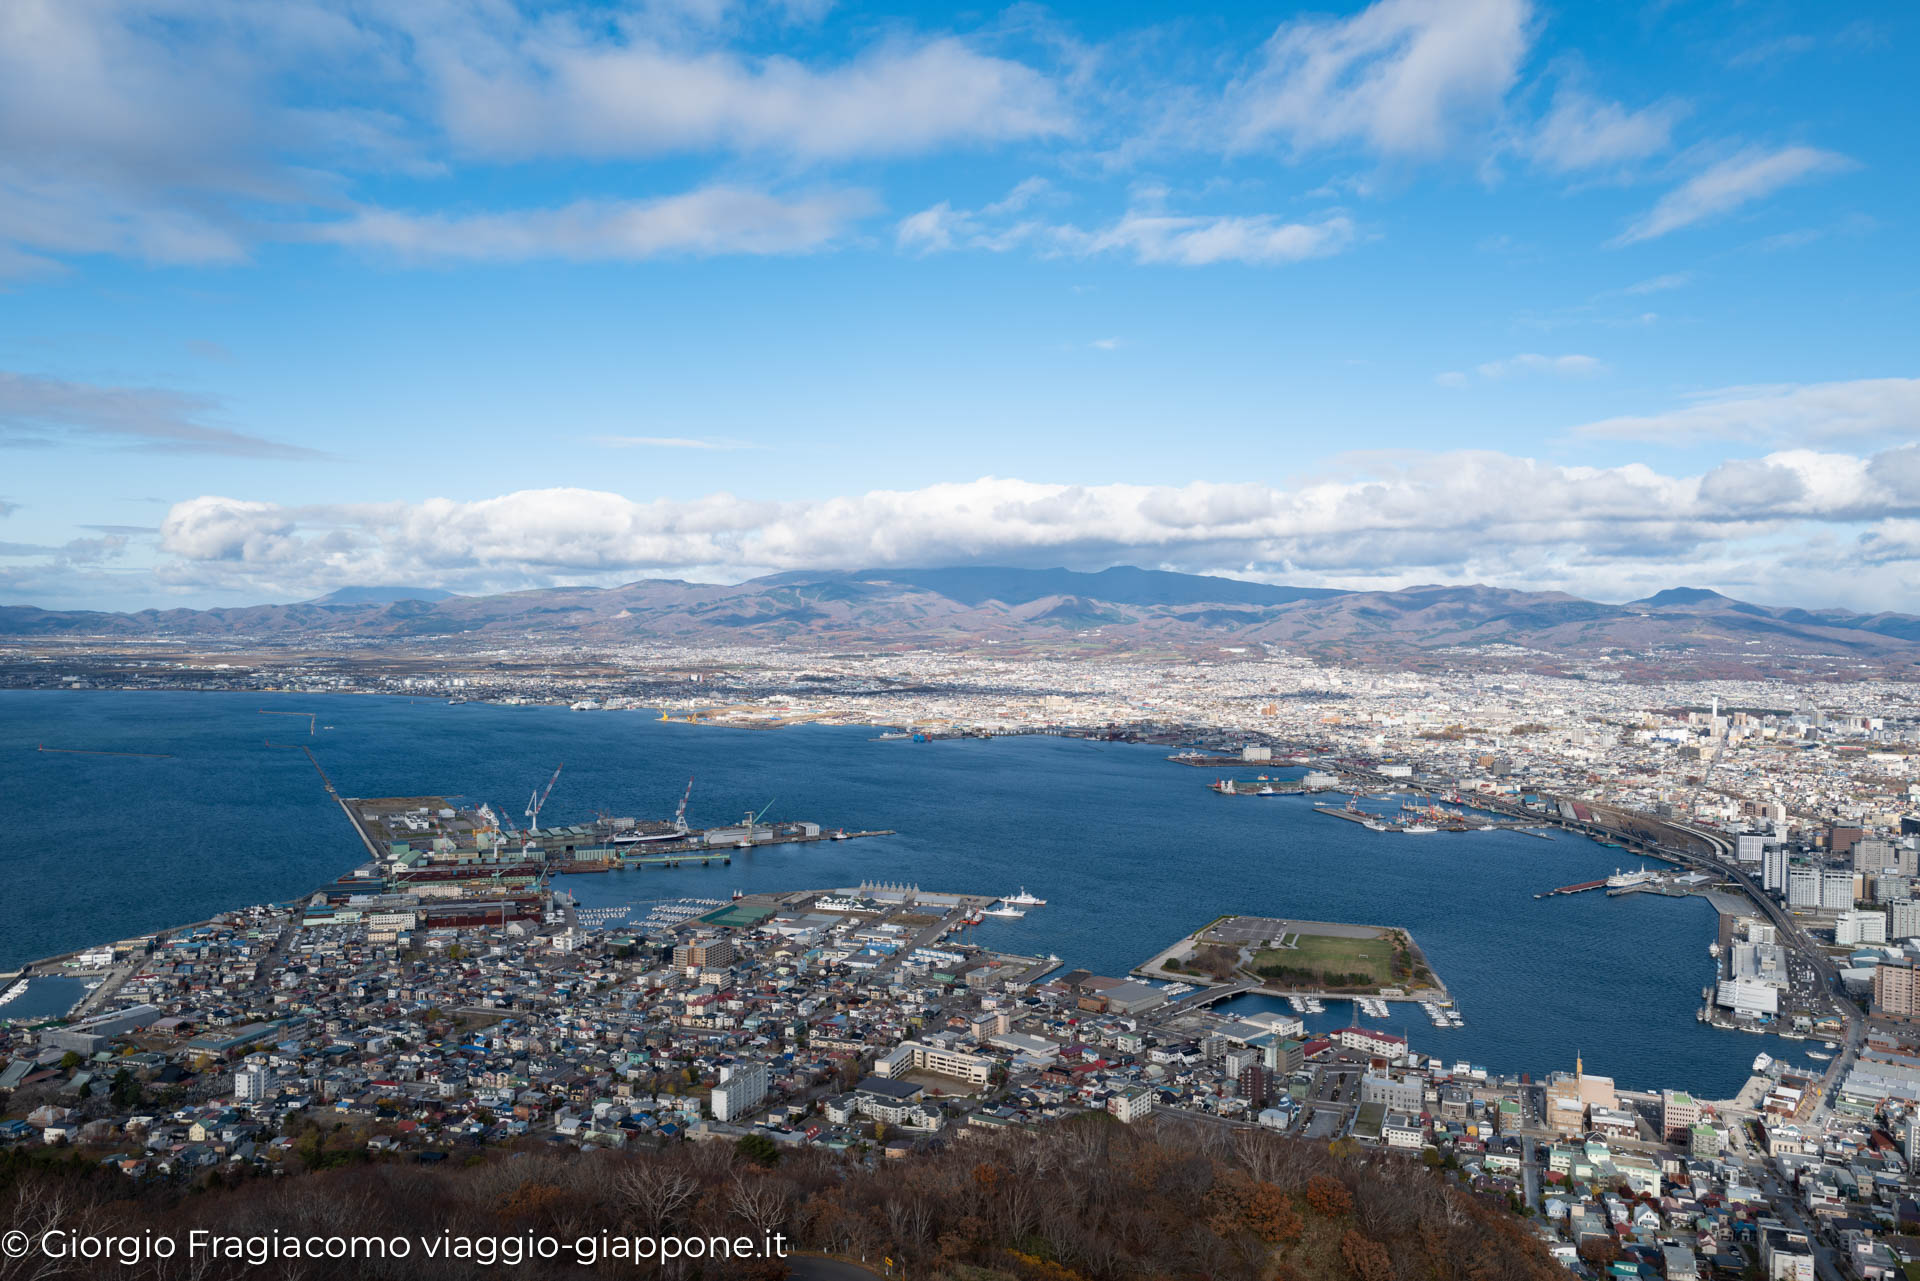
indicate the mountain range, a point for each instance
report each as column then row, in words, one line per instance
column 1114, row 608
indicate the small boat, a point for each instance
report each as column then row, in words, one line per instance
column 1815, row 1054
column 1829, row 1045
column 1762, row 1061
column 1003, row 910
column 839, row 835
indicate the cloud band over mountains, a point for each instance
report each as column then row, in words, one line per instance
column 1451, row 516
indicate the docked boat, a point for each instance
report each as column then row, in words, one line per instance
column 1024, row 899
column 1762, row 1061
column 839, row 835
column 1419, row 829
column 1829, row 1045
column 1815, row 1054
column 1623, row 880
column 1002, row 910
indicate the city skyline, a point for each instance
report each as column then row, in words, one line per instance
column 482, row 298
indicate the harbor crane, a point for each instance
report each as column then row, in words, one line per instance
column 680, row 814
column 539, row 799
column 751, row 820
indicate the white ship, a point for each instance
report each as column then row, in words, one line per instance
column 1024, row 899
column 1621, row 880
column 1002, row 910
column 1762, row 1061
column 1418, row 829
column 1815, row 1054
column 13, row 992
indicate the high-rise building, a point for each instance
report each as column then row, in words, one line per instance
column 1896, row 989
column 1254, row 1085
column 1836, row 889
column 741, row 1089
column 1903, row 919
column 1803, row 887
column 1874, row 854
column 1840, row 840
column 1773, row 869
column 1749, row 848
column 703, row 954
column 252, row 1083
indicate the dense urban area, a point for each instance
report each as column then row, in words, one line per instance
column 447, row 997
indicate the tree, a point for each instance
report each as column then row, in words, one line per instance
column 69, row 1061
column 759, row 1149
column 1367, row 1260
column 1329, row 1197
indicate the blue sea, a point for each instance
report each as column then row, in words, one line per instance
column 1130, row 851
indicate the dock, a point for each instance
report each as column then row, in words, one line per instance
column 1581, row 888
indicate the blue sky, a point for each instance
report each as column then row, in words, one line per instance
column 484, row 295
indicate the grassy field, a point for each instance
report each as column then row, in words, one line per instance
column 1327, row 955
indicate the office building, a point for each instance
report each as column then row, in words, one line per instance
column 1678, row 1114
column 1803, row 887
column 1836, row 889
column 1750, row 848
column 1903, row 919
column 1860, row 925
column 1874, row 854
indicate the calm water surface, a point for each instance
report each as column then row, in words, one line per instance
column 1130, row 851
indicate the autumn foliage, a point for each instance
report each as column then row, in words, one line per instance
column 1082, row 1200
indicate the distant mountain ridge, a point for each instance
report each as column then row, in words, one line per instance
column 964, row 606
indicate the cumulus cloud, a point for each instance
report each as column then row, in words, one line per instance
column 189, row 134
column 38, row 411
column 1450, row 515
column 1738, row 180
column 1860, row 409
column 1402, row 76
column 712, row 220
column 580, row 85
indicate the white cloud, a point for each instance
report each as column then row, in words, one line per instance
column 1659, row 284
column 1584, row 132
column 1527, row 362
column 1403, row 77
column 1469, row 514
column 1784, row 413
column 1146, row 235
column 1191, row 241
column 1571, row 365
column 579, row 84
column 712, row 220
column 672, row 442
column 1738, row 180
column 185, row 133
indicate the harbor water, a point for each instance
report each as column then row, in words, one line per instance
column 1130, row 851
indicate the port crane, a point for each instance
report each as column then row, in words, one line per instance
column 538, row 800
column 680, row 813
column 751, row 820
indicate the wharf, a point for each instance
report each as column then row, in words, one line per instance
column 1472, row 823
column 1204, row 761
column 1581, row 888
